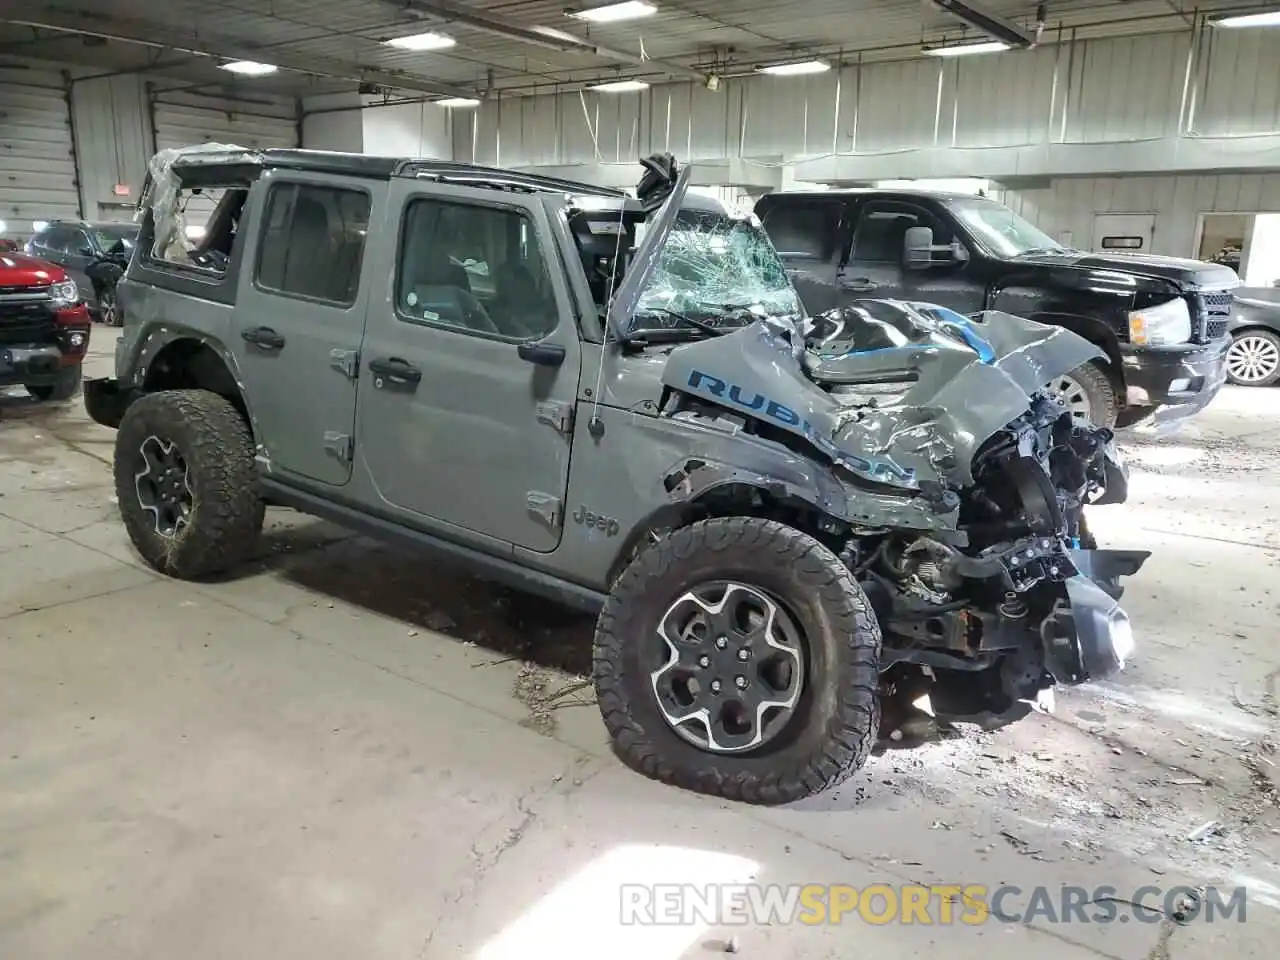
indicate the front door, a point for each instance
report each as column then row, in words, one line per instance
column 299, row 317
column 875, row 264
column 470, row 369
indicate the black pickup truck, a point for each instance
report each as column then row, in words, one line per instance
column 1162, row 321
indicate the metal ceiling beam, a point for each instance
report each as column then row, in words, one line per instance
column 453, row 11
column 993, row 26
column 84, row 23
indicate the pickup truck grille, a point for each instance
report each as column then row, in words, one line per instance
column 1210, row 312
column 26, row 315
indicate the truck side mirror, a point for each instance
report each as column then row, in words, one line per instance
column 917, row 248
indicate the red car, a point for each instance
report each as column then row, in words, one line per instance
column 44, row 328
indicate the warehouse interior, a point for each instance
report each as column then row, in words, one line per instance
column 344, row 749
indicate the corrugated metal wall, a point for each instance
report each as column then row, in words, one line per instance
column 1119, row 90
column 1071, row 205
column 37, row 153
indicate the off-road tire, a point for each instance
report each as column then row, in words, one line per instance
column 216, row 443
column 837, row 718
column 67, row 387
column 1104, row 407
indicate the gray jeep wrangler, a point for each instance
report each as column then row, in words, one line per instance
column 785, row 523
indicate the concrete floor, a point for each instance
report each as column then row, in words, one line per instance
column 342, row 752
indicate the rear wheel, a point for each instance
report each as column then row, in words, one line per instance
column 66, row 387
column 108, row 311
column 1088, row 394
column 186, row 482
column 1253, row 359
column 738, row 657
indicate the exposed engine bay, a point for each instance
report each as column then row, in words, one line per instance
column 964, row 483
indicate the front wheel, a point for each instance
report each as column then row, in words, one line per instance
column 1089, row 395
column 738, row 657
column 186, row 482
column 1253, row 359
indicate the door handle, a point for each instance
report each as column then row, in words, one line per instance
column 859, row 284
column 543, row 354
column 263, row 337
column 394, row 369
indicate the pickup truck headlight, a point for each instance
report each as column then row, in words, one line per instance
column 1161, row 325
column 65, row 294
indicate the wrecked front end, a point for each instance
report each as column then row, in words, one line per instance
column 965, row 489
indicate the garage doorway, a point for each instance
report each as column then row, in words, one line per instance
column 1123, row 232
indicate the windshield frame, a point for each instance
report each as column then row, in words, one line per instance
column 964, row 211
column 691, row 221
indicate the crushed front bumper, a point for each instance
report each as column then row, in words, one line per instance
column 1089, row 636
column 1173, row 384
column 105, row 400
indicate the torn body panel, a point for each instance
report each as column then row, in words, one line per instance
column 953, row 486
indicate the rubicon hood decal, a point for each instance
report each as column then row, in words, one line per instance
column 899, row 393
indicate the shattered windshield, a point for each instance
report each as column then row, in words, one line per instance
column 1001, row 230
column 715, row 270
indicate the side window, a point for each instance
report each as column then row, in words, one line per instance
column 78, row 244
column 477, row 268
column 803, row 228
column 312, row 242
column 882, row 230
column 202, row 232
column 57, row 239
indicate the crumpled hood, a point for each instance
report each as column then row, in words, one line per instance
column 898, row 393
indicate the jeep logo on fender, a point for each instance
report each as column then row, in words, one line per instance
column 758, row 402
column 596, row 521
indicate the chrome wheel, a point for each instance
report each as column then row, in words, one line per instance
column 162, row 482
column 1074, row 396
column 1252, row 359
column 734, row 669
column 107, row 310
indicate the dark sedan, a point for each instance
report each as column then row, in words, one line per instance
column 1254, row 357
column 86, row 250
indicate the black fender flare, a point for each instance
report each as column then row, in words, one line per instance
column 157, row 338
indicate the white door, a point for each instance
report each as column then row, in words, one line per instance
column 1123, row 232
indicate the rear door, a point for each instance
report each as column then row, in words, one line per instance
column 470, row 368
column 299, row 317
column 809, row 234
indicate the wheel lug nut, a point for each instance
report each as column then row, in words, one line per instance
column 744, row 654
column 715, row 686
column 741, row 682
column 721, row 642
column 704, row 661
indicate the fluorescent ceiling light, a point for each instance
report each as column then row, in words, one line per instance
column 1270, row 18
column 250, row 68
column 614, row 12
column 796, row 69
column 621, row 86
column 38, row 225
column 418, row 42
column 965, row 49
column 458, row 102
